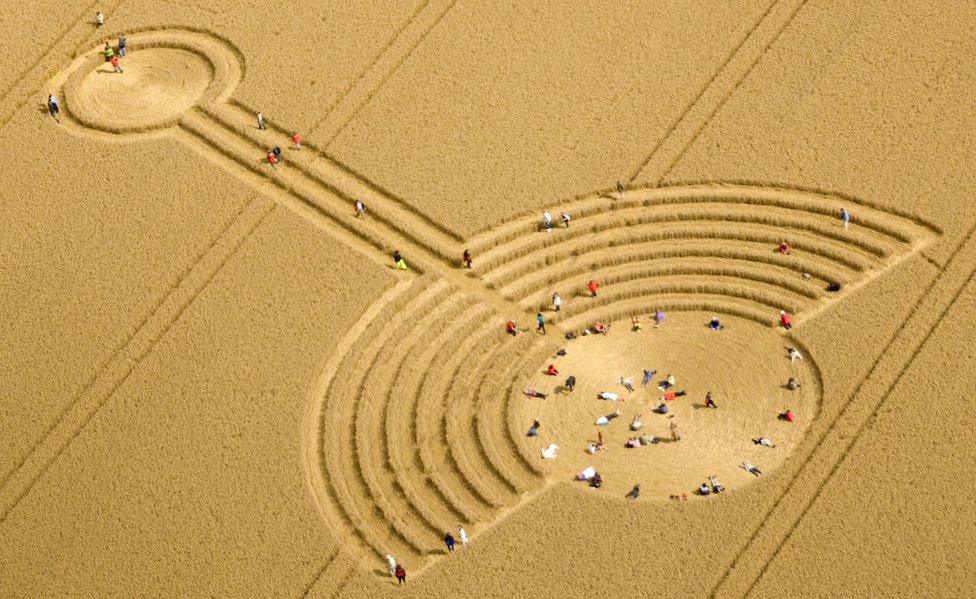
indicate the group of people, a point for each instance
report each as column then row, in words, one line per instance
column 397, row 570
column 274, row 154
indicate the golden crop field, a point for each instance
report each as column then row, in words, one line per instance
column 215, row 380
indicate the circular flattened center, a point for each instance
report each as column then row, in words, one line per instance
column 155, row 87
column 746, row 368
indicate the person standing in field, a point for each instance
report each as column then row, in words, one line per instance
column 557, row 302
column 398, row 262
column 785, row 320
column 634, row 492
column 592, row 286
column 53, row 107
column 123, row 46
column 709, row 402
column 466, row 259
column 273, row 160
column 540, row 321
column 261, row 124
column 570, row 383
column 115, row 65
column 99, row 19
column 360, row 208
column 675, row 433
column 401, row 574
column 845, row 218
column 546, row 221
column 462, row 535
column 658, row 318
column 566, row 218
column 620, row 190
column 391, row 564
column 511, row 328
column 449, row 541
column 108, row 52
column 296, row 138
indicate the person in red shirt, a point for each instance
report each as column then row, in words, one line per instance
column 296, row 138
column 115, row 64
column 783, row 248
column 273, row 160
column 551, row 371
column 785, row 320
column 401, row 574
column 510, row 328
column 593, row 286
column 466, row 259
column 788, row 416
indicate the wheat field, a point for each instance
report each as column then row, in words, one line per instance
column 214, row 381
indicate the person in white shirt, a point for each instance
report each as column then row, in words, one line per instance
column 462, row 535
column 566, row 218
column 546, row 221
column 557, row 302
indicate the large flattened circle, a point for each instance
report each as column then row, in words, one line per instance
column 745, row 366
column 156, row 87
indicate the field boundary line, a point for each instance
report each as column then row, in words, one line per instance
column 75, row 417
column 328, row 562
column 389, row 75
column 369, row 66
column 851, row 403
column 720, row 101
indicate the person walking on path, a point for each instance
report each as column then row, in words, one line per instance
column 709, row 402
column 296, row 138
column 115, row 65
column 53, row 107
column 546, row 221
column 449, row 541
column 532, row 432
column 658, row 318
column 557, row 302
column 99, row 19
column 785, row 320
column 466, row 259
column 592, row 286
column 511, row 328
column 570, row 383
column 261, row 124
column 277, row 151
column 123, row 46
column 845, row 218
column 108, row 52
column 634, row 493
column 391, row 564
column 675, row 433
column 627, row 383
column 273, row 159
column 784, row 248
column 462, row 535
column 540, row 321
column 360, row 208
column 566, row 218
column 401, row 574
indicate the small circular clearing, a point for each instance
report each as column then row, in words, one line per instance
column 156, row 87
column 746, row 368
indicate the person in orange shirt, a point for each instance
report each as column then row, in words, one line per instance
column 785, row 320
column 784, row 248
column 510, row 328
column 273, row 160
column 115, row 64
column 593, row 286
column 551, row 371
column 788, row 416
column 296, row 138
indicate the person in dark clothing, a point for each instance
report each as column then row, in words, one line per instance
column 401, row 574
column 709, row 402
column 466, row 259
column 449, row 541
column 570, row 383
column 533, row 430
column 634, row 493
